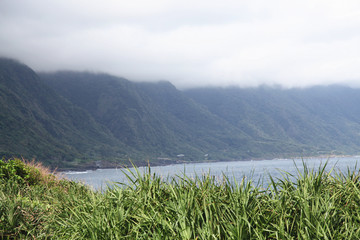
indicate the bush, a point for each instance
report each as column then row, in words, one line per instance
column 25, row 172
column 26, row 195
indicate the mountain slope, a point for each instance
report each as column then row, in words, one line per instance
column 155, row 118
column 72, row 119
column 326, row 118
column 37, row 122
column 233, row 123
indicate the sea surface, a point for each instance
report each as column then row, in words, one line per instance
column 257, row 171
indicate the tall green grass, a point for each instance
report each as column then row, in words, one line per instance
column 311, row 205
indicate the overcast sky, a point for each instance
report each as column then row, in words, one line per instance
column 189, row 43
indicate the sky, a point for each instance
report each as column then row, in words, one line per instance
column 189, row 43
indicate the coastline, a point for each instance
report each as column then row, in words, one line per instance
column 111, row 165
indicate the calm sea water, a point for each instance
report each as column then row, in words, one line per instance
column 257, row 171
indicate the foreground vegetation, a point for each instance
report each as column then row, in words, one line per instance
column 316, row 205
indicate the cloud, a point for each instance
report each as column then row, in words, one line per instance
column 245, row 43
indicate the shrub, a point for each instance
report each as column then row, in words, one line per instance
column 22, row 172
column 27, row 191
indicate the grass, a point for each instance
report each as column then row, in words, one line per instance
column 311, row 205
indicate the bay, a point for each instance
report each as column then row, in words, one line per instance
column 258, row 171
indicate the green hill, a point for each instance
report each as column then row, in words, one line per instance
column 155, row 118
column 325, row 118
column 77, row 119
column 35, row 122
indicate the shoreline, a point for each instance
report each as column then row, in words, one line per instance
column 176, row 162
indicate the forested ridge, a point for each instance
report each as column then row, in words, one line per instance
column 79, row 119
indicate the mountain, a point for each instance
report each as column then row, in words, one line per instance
column 36, row 122
column 155, row 118
column 324, row 118
column 80, row 120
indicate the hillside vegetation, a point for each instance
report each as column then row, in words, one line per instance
column 155, row 118
column 81, row 120
column 36, row 122
column 325, row 118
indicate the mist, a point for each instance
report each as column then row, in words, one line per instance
column 207, row 43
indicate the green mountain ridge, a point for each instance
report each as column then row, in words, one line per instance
column 38, row 123
column 78, row 119
column 155, row 118
column 325, row 117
